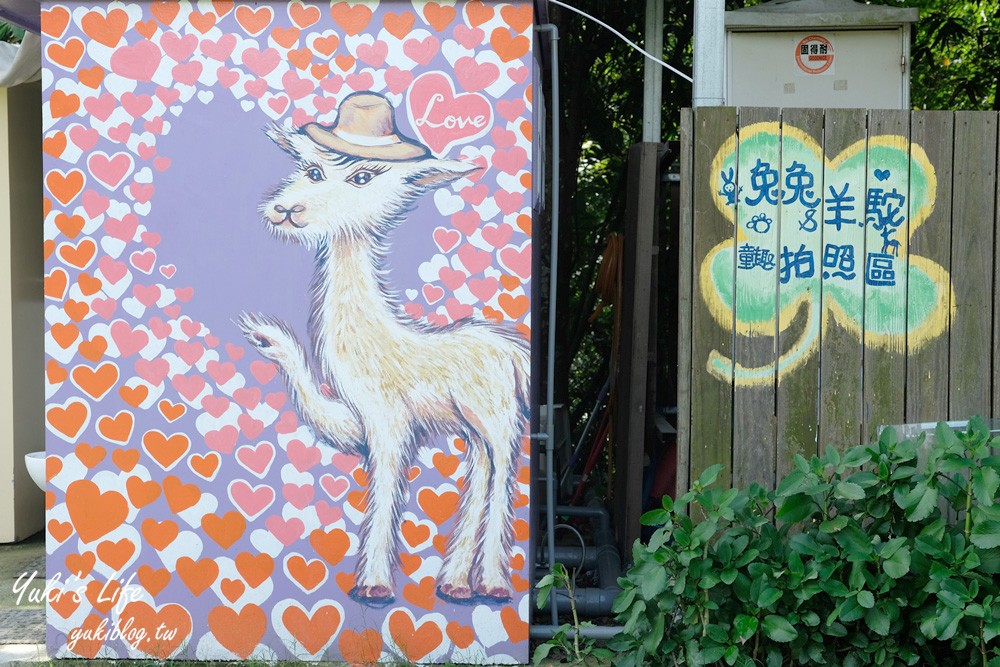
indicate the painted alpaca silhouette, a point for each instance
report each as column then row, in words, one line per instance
column 380, row 382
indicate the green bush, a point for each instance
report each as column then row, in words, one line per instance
column 852, row 560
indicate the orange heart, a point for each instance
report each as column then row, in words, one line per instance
column 345, row 582
column 414, row 642
column 61, row 105
column 358, row 500
column 60, row 530
column 48, row 246
column 64, row 187
column 90, row 637
column 330, row 546
column 54, row 372
column 524, row 475
column 327, row 45
column 56, row 282
column 509, row 47
column 413, row 474
column 527, row 131
column 141, row 492
column 478, row 12
column 166, row 451
column 171, row 411
column 145, row 28
column 77, row 310
column 255, row 569
column 89, row 285
column 70, row 420
column 517, row 629
column 309, row 574
column 312, row 632
column 53, row 466
column 159, row 534
column 134, row 396
column 222, row 7
column 510, row 282
column 225, row 529
column 232, row 588
column 446, row 464
column 493, row 314
column 461, row 635
column 514, row 306
column 205, row 465
column 422, row 594
column 439, row 507
column 239, row 632
column 197, row 575
column 55, row 145
column 125, row 459
column 165, row 11
column 285, row 37
column 116, row 554
column 107, row 30
column 118, row 428
column 440, row 543
column 64, row 334
column 80, row 565
column 521, row 530
column 152, row 580
column 91, row 77
column 363, row 648
column 344, row 62
column 140, row 616
column 95, row 382
column 78, row 255
column 519, row 583
column 66, row 55
column 254, row 20
column 353, row 19
column 360, row 476
column 519, row 18
column 409, row 563
column 180, row 496
column 399, row 25
column 302, row 15
column 90, row 456
column 94, row 514
column 301, row 59
column 203, row 22
column 54, row 21
column 521, row 500
column 439, row 16
column 103, row 595
column 415, row 533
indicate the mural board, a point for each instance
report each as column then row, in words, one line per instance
column 288, row 254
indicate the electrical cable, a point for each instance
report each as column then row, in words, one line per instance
column 626, row 40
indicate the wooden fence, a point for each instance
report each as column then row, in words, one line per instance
column 838, row 272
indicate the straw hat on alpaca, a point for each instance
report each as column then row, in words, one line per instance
column 365, row 128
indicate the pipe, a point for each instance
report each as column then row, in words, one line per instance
column 591, row 631
column 574, row 558
column 586, row 429
column 708, row 89
column 550, row 371
column 590, row 602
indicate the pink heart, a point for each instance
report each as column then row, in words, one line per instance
column 260, row 62
column 441, row 118
column 152, row 239
column 467, row 222
column 234, row 351
column 120, row 133
column 437, row 319
column 474, row 194
column 509, row 202
column 219, row 50
column 278, row 103
column 503, row 138
column 335, row 487
column 94, row 203
column 190, row 352
column 154, row 125
column 345, row 462
column 256, row 87
column 433, row 294
column 137, row 62
column 497, row 235
column 469, row 37
column 153, row 372
column 518, row 261
column 215, row 405
column 189, row 387
column 423, row 51
column 510, row 161
column 161, row 163
column 264, row 371
column 227, row 77
column 159, row 328
column 332, row 84
column 147, row 295
column 168, row 271
column 398, row 80
column 327, row 513
column 113, row 270
column 446, row 239
column 298, row 495
column 100, row 107
column 177, row 47
column 141, row 192
column 221, row 372
column 415, row 310
column 302, row 456
column 295, row 87
column 256, row 458
column 84, row 137
column 362, row 81
column 190, row 327
column 287, row 532
column 451, row 278
column 168, row 95
column 457, row 310
column 145, row 150
column 104, row 307
column 222, row 440
column 511, row 109
column 276, row 400
column 475, row 261
column 248, row 398
column 183, row 294
column 136, row 105
column 126, row 340
column 483, row 288
column 252, row 501
column 249, row 426
column 143, row 261
column 373, row 54
column 187, row 73
column 473, row 75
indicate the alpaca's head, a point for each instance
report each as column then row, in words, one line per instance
column 331, row 194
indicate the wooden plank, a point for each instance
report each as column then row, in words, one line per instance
column 996, row 293
column 801, row 302
column 887, row 236
column 685, row 281
column 841, row 370
column 711, row 320
column 758, row 183
column 929, row 257
column 641, row 208
column 974, row 175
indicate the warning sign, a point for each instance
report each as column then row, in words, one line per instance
column 814, row 54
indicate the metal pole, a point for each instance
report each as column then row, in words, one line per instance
column 550, row 374
column 653, row 90
column 709, row 53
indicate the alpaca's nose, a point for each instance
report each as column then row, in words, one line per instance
column 298, row 208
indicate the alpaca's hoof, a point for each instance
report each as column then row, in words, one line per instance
column 373, row 596
column 456, row 594
column 497, row 594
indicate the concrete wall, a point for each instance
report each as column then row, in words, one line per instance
column 22, row 508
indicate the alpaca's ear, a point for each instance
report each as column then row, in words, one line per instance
column 430, row 174
column 284, row 138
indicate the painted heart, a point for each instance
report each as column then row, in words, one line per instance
column 252, row 501
column 441, row 118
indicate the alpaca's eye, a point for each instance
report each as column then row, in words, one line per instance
column 314, row 174
column 361, row 177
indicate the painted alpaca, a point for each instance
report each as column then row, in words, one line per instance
column 380, row 382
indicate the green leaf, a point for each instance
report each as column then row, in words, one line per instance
column 778, row 629
column 898, row 564
column 878, row 621
column 542, row 652
column 926, row 503
column 745, row 626
column 848, row 491
column 986, row 534
column 985, row 482
column 866, row 599
column 653, row 583
column 768, row 597
column 855, row 457
column 833, row 525
column 710, row 475
column 652, row 640
column 796, row 508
